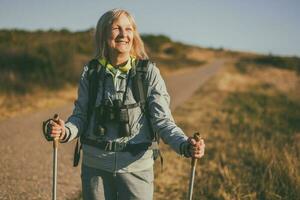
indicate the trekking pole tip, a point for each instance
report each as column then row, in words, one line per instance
column 55, row 117
column 197, row 136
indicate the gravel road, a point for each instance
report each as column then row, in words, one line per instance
column 26, row 160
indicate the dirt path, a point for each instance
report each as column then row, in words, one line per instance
column 26, row 158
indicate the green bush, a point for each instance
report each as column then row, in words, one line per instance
column 154, row 42
column 291, row 63
column 29, row 59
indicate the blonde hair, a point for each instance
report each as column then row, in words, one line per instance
column 102, row 30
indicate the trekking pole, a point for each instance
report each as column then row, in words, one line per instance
column 193, row 169
column 55, row 146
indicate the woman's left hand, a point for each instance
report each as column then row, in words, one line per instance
column 196, row 148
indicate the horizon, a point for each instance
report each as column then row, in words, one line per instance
column 233, row 25
column 142, row 34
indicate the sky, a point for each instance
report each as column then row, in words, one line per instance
column 263, row 26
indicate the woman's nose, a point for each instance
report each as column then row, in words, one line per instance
column 122, row 32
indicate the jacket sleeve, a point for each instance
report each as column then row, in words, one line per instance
column 160, row 113
column 77, row 122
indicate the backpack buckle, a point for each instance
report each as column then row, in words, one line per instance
column 109, row 146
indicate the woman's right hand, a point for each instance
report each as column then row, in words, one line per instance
column 54, row 128
column 57, row 129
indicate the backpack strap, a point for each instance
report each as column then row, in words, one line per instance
column 94, row 73
column 140, row 86
column 140, row 90
column 140, row 93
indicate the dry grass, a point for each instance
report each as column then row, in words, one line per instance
column 15, row 105
column 250, row 124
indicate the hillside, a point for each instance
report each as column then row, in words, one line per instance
column 37, row 65
column 50, row 59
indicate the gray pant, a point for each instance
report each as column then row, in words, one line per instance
column 99, row 185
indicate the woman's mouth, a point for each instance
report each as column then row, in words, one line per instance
column 121, row 42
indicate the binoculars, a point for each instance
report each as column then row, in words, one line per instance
column 112, row 112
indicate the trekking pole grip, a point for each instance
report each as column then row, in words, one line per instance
column 55, row 140
column 196, row 137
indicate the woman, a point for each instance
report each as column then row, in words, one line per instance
column 111, row 171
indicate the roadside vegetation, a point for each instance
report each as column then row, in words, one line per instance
column 50, row 59
column 292, row 63
column 250, row 121
column 35, row 65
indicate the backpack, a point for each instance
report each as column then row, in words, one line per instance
column 140, row 90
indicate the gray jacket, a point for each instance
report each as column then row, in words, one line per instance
column 160, row 117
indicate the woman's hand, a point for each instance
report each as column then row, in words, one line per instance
column 196, row 148
column 57, row 129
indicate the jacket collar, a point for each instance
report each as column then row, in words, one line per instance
column 124, row 69
column 130, row 65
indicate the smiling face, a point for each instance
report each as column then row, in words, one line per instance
column 120, row 36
